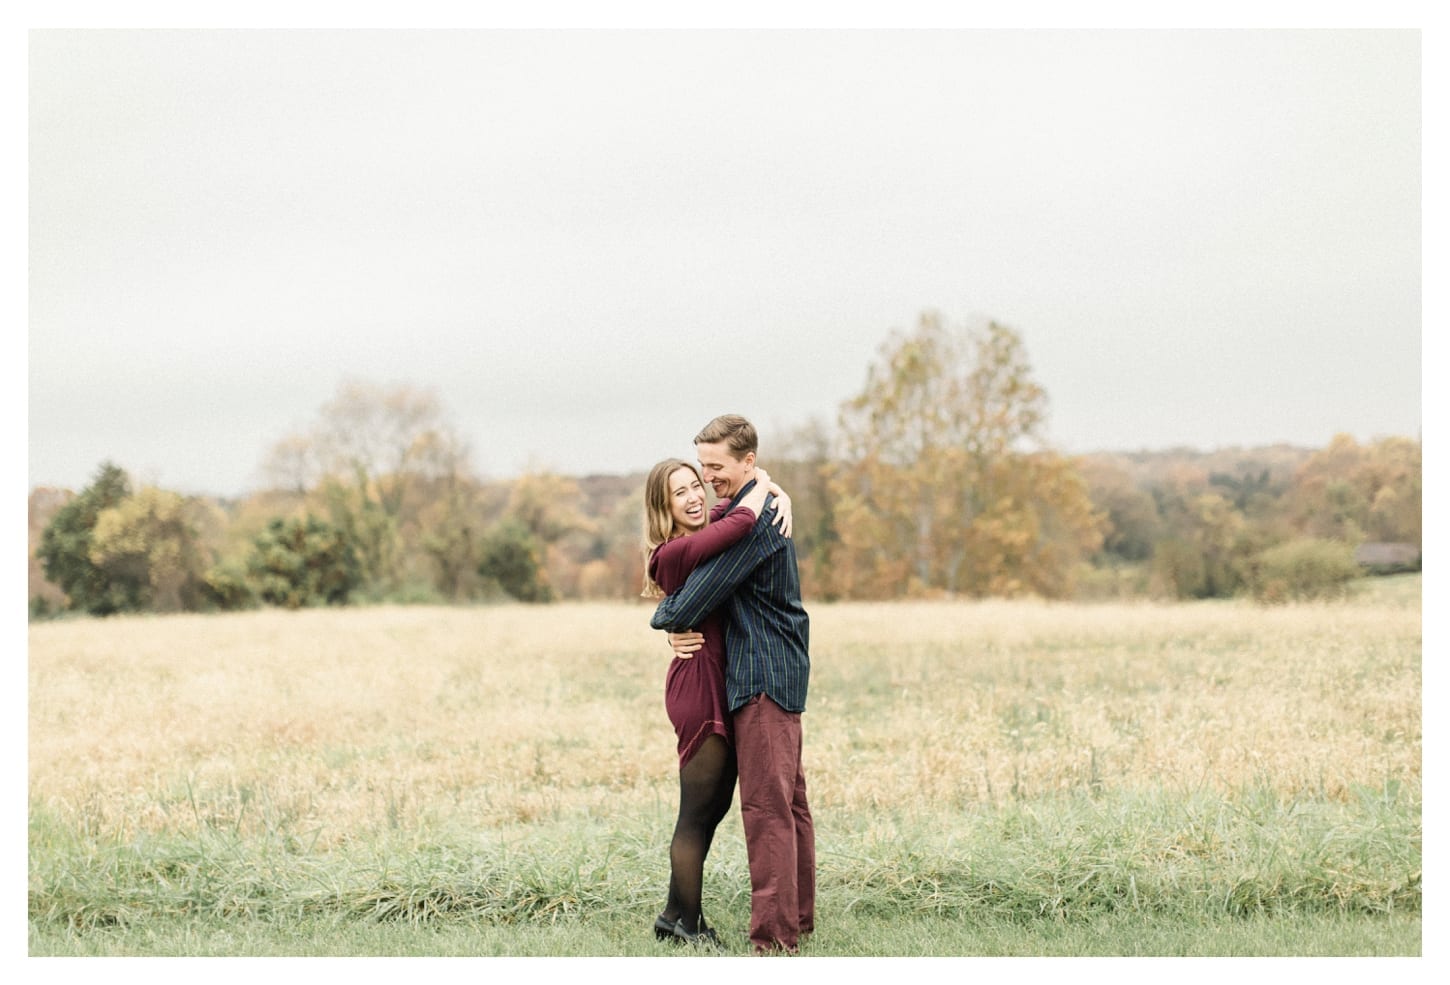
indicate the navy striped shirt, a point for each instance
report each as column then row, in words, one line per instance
column 767, row 631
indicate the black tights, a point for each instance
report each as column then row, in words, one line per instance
column 707, row 785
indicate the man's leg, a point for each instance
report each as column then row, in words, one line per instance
column 805, row 849
column 767, row 747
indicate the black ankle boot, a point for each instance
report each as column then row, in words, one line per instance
column 705, row 936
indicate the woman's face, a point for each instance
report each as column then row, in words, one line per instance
column 687, row 499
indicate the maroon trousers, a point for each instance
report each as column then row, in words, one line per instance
column 780, row 840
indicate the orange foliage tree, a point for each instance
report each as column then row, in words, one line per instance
column 946, row 486
column 1352, row 492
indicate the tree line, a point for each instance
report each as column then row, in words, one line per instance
column 934, row 480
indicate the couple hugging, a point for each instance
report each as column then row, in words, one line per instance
column 737, row 686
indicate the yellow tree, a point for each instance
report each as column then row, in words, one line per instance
column 1352, row 492
column 547, row 505
column 947, row 485
column 162, row 540
column 1395, row 507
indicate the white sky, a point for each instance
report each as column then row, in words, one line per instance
column 589, row 243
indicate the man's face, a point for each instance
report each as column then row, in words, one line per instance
column 726, row 474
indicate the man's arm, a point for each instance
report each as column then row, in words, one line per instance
column 713, row 582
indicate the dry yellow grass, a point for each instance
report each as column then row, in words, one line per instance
column 341, row 722
column 1021, row 699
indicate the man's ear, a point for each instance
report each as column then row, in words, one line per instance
column 749, row 460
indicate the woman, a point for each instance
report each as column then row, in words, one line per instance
column 678, row 537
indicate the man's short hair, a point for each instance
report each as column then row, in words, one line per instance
column 731, row 430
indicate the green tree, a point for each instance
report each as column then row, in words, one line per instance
column 65, row 550
column 228, row 586
column 303, row 561
column 947, row 485
column 512, row 557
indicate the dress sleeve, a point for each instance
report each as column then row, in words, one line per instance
column 683, row 554
column 714, row 581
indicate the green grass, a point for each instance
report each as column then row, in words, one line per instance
column 849, row 935
column 1119, row 875
column 1403, row 590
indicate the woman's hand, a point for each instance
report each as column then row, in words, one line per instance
column 783, row 515
column 685, row 644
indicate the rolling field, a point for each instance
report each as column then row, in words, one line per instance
column 987, row 778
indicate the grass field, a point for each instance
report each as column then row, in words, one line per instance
column 988, row 779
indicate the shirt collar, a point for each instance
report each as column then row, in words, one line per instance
column 744, row 491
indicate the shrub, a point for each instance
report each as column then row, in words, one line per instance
column 1112, row 580
column 1302, row 570
column 227, row 586
column 1178, row 570
column 297, row 562
column 512, row 558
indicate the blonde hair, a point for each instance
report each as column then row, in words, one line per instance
column 659, row 522
column 733, row 431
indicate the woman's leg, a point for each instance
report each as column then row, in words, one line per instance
column 707, row 784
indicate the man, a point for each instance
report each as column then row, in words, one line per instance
column 768, row 665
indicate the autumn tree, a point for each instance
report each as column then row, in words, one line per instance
column 613, row 566
column 1131, row 521
column 451, row 531
column 802, row 461
column 443, row 528
column 546, row 506
column 1396, row 511
column 1206, row 547
column 1353, row 493
column 603, row 557
column 947, row 484
column 160, row 542
column 384, row 440
column 374, row 462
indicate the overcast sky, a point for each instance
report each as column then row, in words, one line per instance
column 589, row 243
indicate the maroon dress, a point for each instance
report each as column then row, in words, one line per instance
column 695, row 686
